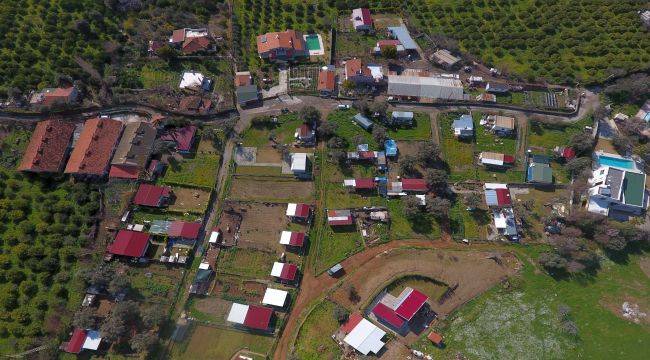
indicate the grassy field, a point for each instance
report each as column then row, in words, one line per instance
column 348, row 129
column 156, row 288
column 314, row 341
column 215, row 343
column 459, row 154
column 403, row 228
column 487, row 141
column 548, row 136
column 152, row 77
column 420, row 131
column 338, row 197
column 246, row 262
column 284, row 130
column 430, row 287
column 12, row 146
column 261, row 171
column 199, row 171
column 467, row 224
column 523, row 321
column 337, row 245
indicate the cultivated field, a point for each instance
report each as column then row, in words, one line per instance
column 199, row 171
column 249, row 263
column 218, row 343
column 262, row 225
column 276, row 190
column 188, row 200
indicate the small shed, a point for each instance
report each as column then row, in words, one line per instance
column 390, row 146
column 275, row 297
column 362, row 121
column 402, row 118
column 435, row 338
column 463, row 127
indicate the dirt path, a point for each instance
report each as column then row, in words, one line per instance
column 435, row 129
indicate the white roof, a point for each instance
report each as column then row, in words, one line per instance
column 238, row 313
column 275, row 297
column 285, row 237
column 366, row 337
column 376, row 71
column 191, row 80
column 291, row 209
column 349, row 182
column 92, row 340
column 214, row 237
column 422, row 198
column 299, row 162
column 427, row 87
column 204, row 266
column 277, row 269
column 495, row 186
column 491, row 161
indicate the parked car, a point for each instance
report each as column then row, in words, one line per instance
column 344, row 106
column 334, row 269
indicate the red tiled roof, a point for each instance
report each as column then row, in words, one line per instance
column 183, row 137
column 194, row 103
column 297, row 238
column 367, row 155
column 75, row 343
column 414, row 185
column 94, row 148
column 151, row 195
column 326, row 80
column 129, row 243
column 289, row 39
column 302, row 210
column 289, row 272
column 124, row 172
column 57, row 95
column 178, row 35
column 335, row 222
column 258, row 317
column 368, row 183
column 435, row 338
column 388, row 42
column 503, row 197
column 508, row 159
column 47, row 147
column 411, row 304
column 355, row 67
column 352, row 322
column 195, row 44
column 242, row 79
column 568, row 153
column 365, row 16
column 387, row 314
column 304, row 131
column 185, row 230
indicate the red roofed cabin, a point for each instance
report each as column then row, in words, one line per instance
column 76, row 342
column 415, row 185
column 196, row 45
column 299, row 212
column 398, row 311
column 48, row 147
column 326, row 82
column 564, row 153
column 250, row 316
column 182, row 137
column 152, row 195
column 361, row 19
column 435, row 338
column 92, row 153
column 243, row 78
column 284, row 272
column 55, row 96
column 130, row 244
column 339, row 218
column 292, row 238
column 360, row 184
column 286, row 45
column 354, row 319
column 182, row 230
column 306, row 135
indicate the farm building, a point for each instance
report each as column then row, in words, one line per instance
column 202, row 279
column 414, row 185
column 285, row 272
column 401, row 118
column 275, row 297
column 361, row 19
column 616, row 186
column 133, row 150
column 250, row 316
column 360, row 184
column 362, row 335
column 192, row 80
column 339, row 218
column 286, row 45
column 292, row 238
column 402, row 34
column 182, row 230
column 326, row 81
column 398, row 311
column 93, row 150
column 425, row 87
column 445, row 59
column 496, row 88
column 390, row 146
column 300, row 165
column 298, row 212
column 181, row 137
column 463, row 127
column 485, row 97
column 362, row 121
column 487, row 158
column 306, row 135
column 497, row 195
column 152, row 195
column 504, row 221
column 129, row 243
column 501, row 125
column 55, row 96
column 82, row 340
column 243, row 78
column 247, row 95
column 48, row 147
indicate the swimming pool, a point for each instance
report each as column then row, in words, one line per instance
column 313, row 43
column 616, row 162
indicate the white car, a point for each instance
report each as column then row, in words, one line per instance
column 344, row 106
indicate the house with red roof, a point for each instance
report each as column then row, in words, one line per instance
column 326, row 81
column 339, row 218
column 298, row 212
column 181, row 137
column 184, row 231
column 152, row 195
column 497, row 195
column 360, row 184
column 243, row 78
column 198, row 44
column 383, row 44
column 133, row 150
column 48, row 147
column 252, row 317
column 181, row 36
column 284, row 272
column 82, row 339
column 288, row 45
column 414, row 185
column 55, row 96
column 357, row 72
column 492, row 159
column 564, row 153
column 292, row 238
column 93, row 150
column 306, row 135
column 396, row 312
column 130, row 243
column 361, row 20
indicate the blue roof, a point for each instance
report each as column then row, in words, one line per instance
column 402, row 34
column 391, row 147
column 465, row 122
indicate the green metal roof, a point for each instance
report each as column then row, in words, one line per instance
column 541, row 173
column 634, row 190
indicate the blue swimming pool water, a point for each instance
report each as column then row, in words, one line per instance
column 616, row 162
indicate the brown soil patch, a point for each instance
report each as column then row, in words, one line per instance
column 271, row 190
column 190, row 200
column 229, row 223
column 262, row 225
column 644, row 264
column 214, row 306
column 616, row 307
column 606, row 146
column 234, row 287
column 268, row 155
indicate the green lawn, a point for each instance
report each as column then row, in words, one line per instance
column 153, row 76
column 522, row 321
column 284, row 130
column 200, row 171
column 246, row 262
column 430, row 287
column 313, row 341
column 547, row 136
column 467, row 224
column 420, row 131
column 154, row 288
column 348, row 129
column 459, row 154
column 403, row 228
column 206, row 342
column 334, row 245
column 338, row 197
column 487, row 141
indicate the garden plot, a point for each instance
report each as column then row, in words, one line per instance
column 248, row 263
column 207, row 342
column 303, row 79
column 262, row 224
column 236, row 289
column 188, row 200
column 351, row 44
column 154, row 283
column 265, row 190
column 199, row 171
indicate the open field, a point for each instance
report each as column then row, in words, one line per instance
column 258, row 134
column 262, row 225
column 348, row 129
column 154, row 283
column 336, row 245
column 188, row 200
column 352, row 44
column 430, row 287
column 465, row 224
column 523, row 319
column 210, row 309
column 199, row 171
column 248, row 263
column 276, row 190
column 313, row 341
column 216, row 343
column 543, row 136
column 334, row 173
column 421, row 129
column 339, row 197
column 403, row 228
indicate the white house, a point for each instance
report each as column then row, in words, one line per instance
column 366, row 337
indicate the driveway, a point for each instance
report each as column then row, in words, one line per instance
column 280, row 89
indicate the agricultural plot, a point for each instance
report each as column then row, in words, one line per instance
column 303, row 80
column 313, row 339
column 219, row 343
column 154, row 283
column 199, row 171
column 352, row 44
column 421, row 129
column 188, row 200
column 424, row 226
column 153, row 77
column 277, row 190
column 12, row 146
column 262, row 224
column 248, row 263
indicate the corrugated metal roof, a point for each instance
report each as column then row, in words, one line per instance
column 402, row 34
